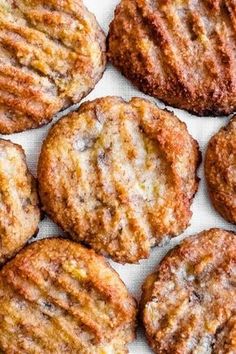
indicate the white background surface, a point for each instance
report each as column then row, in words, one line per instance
column 202, row 129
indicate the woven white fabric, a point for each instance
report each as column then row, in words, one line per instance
column 201, row 129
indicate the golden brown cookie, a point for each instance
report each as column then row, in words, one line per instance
column 19, row 210
column 182, row 52
column 58, row 297
column 52, row 53
column 119, row 176
column 189, row 304
column 220, row 171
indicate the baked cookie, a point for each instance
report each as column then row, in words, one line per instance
column 119, row 176
column 182, row 52
column 19, row 210
column 220, row 171
column 189, row 304
column 58, row 297
column 52, row 53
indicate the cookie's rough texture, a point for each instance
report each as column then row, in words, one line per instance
column 226, row 338
column 19, row 211
column 182, row 52
column 189, row 304
column 220, row 171
column 119, row 176
column 59, row 297
column 52, row 53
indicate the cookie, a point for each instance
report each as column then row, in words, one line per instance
column 220, row 171
column 59, row 297
column 119, row 176
column 189, row 304
column 182, row 52
column 52, row 53
column 19, row 209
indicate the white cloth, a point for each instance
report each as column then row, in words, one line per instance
column 202, row 129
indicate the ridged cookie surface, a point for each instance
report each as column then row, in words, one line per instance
column 189, row 304
column 182, row 52
column 58, row 297
column 51, row 56
column 119, row 176
column 19, row 210
column 220, row 171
